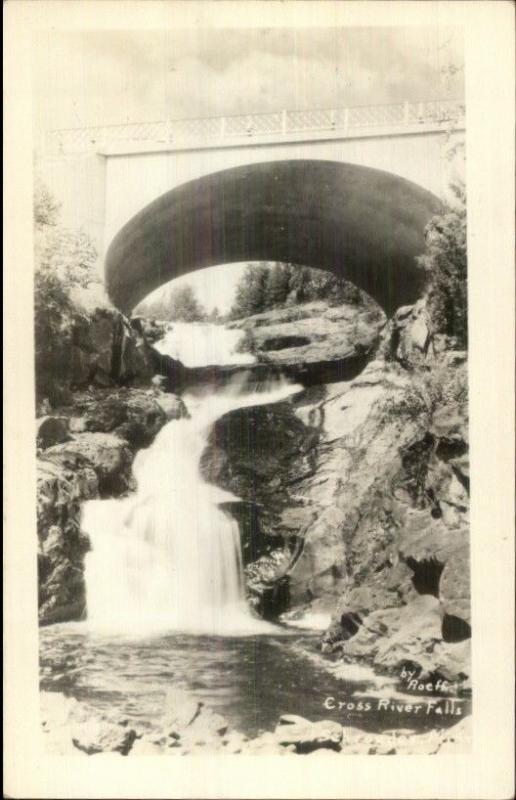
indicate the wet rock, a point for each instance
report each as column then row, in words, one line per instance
column 51, row 430
column 172, row 406
column 267, row 585
column 105, row 427
column 62, row 485
column 311, row 334
column 108, row 455
column 135, row 415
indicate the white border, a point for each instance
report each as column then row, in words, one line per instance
column 488, row 772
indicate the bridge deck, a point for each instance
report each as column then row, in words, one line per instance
column 285, row 125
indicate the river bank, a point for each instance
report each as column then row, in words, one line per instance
column 70, row 727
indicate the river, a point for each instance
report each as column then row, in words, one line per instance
column 165, row 592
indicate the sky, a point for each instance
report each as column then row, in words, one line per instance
column 90, row 78
column 102, row 78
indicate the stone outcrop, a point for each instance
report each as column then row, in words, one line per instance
column 62, row 487
column 354, row 492
column 359, row 493
column 311, row 344
column 84, row 453
column 135, row 415
column 312, row 333
column 100, row 348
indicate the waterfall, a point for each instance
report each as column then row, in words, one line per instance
column 168, row 557
column 203, row 344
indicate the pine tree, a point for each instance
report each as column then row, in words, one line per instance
column 183, row 306
column 250, row 295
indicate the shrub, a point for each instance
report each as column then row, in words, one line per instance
column 64, row 261
column 445, row 263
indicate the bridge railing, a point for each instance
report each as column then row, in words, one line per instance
column 277, row 123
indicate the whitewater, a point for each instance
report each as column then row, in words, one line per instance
column 168, row 557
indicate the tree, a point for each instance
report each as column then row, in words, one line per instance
column 64, row 260
column 250, row 294
column 183, row 306
column 445, row 263
column 299, row 285
column 278, row 285
column 69, row 255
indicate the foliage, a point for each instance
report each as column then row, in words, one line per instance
column 445, row 263
column 179, row 305
column 429, row 392
column 183, row 306
column 263, row 288
column 64, row 261
column 250, row 293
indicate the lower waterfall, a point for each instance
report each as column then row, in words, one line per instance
column 168, row 557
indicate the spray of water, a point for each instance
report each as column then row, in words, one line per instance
column 168, row 557
column 203, row 344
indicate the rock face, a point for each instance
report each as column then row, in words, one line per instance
column 313, row 342
column 135, row 415
column 61, row 488
column 85, row 453
column 101, row 348
column 360, row 489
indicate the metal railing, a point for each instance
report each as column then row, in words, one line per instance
column 277, row 123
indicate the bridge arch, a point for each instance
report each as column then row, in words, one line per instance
column 362, row 224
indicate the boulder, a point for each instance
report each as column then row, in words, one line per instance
column 135, row 415
column 98, row 735
column 51, row 430
column 172, row 406
column 455, row 585
column 108, row 455
column 307, row 736
column 408, row 337
column 312, row 333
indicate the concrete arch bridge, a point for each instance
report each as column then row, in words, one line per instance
column 346, row 190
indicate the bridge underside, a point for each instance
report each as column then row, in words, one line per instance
column 361, row 224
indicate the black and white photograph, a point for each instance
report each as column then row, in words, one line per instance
column 251, row 391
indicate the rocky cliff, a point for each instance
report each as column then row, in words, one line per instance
column 355, row 492
column 109, row 409
column 356, row 501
